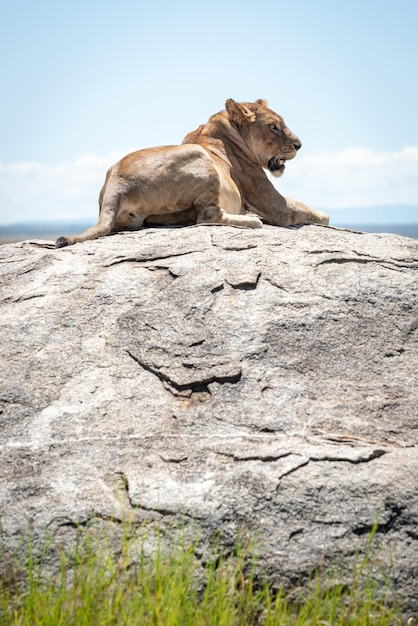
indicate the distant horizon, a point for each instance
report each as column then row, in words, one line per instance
column 373, row 215
column 394, row 221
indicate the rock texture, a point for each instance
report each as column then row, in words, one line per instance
column 229, row 378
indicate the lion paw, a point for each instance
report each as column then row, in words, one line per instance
column 61, row 242
column 323, row 218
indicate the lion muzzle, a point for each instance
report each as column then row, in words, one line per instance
column 276, row 166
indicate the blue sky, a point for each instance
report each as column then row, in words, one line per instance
column 85, row 82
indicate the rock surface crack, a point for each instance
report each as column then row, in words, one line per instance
column 199, row 384
column 150, row 257
column 390, row 264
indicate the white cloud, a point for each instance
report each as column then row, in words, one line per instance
column 37, row 192
column 356, row 177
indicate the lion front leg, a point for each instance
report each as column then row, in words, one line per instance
column 216, row 215
column 301, row 213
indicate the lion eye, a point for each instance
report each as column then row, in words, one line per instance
column 274, row 128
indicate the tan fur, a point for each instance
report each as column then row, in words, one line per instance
column 216, row 175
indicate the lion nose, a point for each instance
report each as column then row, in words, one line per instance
column 297, row 145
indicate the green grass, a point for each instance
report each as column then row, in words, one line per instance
column 95, row 586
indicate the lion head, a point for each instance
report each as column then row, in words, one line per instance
column 265, row 132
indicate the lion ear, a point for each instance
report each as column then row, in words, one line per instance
column 238, row 112
column 262, row 102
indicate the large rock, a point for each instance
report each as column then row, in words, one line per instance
column 217, row 377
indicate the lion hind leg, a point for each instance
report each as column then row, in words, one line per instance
column 216, row 215
column 99, row 230
column 103, row 227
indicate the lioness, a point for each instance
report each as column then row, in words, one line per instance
column 216, row 175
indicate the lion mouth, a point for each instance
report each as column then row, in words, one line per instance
column 276, row 164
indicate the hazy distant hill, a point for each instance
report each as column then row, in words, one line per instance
column 402, row 220
column 407, row 230
column 40, row 230
column 374, row 215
